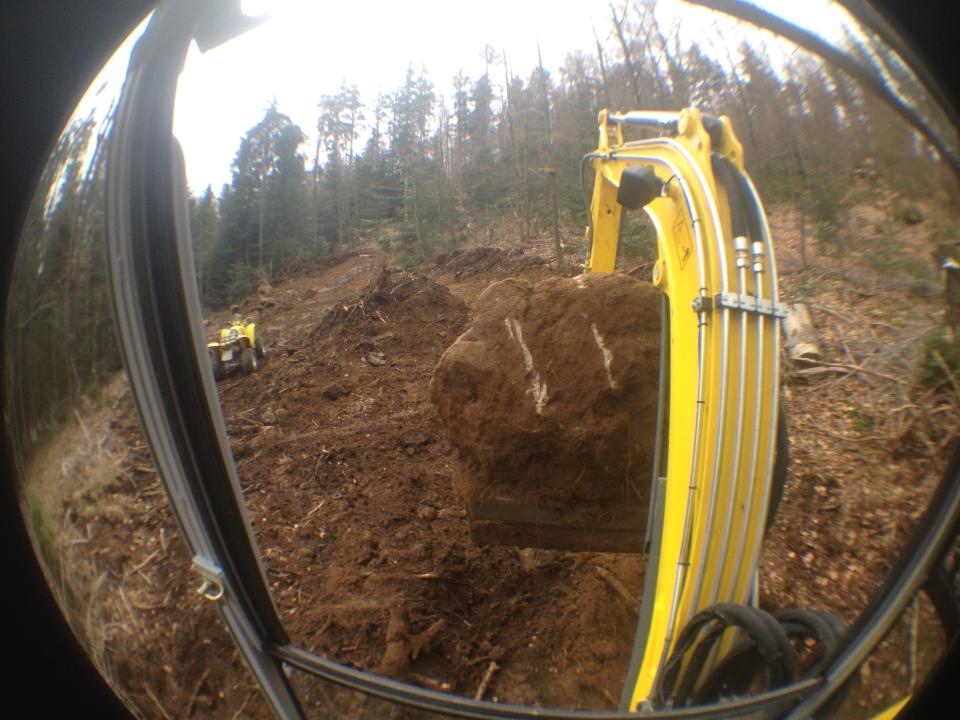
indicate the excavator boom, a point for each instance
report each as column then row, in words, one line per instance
column 718, row 413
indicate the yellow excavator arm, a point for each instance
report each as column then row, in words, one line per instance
column 719, row 384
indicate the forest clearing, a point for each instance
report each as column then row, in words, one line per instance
column 364, row 250
column 347, row 476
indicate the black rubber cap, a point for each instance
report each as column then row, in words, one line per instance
column 638, row 186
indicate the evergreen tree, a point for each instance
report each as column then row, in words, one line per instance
column 204, row 225
column 264, row 220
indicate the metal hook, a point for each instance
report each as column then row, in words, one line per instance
column 210, row 590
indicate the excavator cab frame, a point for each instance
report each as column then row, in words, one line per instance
column 718, row 276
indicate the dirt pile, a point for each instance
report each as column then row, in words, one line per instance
column 484, row 259
column 421, row 301
column 348, row 478
column 555, row 439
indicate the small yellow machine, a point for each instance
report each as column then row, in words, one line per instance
column 237, row 347
column 718, row 425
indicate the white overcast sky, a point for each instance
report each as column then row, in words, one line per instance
column 309, row 47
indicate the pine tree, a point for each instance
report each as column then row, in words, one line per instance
column 264, row 219
column 204, row 225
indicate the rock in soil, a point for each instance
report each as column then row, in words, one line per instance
column 550, row 402
column 336, row 390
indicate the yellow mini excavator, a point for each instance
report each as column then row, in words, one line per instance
column 718, row 441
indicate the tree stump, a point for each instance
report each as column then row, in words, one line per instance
column 801, row 338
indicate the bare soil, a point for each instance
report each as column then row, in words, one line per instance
column 348, row 477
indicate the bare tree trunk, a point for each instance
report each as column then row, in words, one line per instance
column 443, row 143
column 554, row 189
column 627, row 59
column 416, row 219
column 351, row 205
column 738, row 85
column 603, row 68
column 338, row 167
column 260, row 228
column 316, row 196
column 792, row 133
column 803, row 241
column 557, row 245
column 525, row 177
column 679, row 91
column 519, row 159
column 646, row 50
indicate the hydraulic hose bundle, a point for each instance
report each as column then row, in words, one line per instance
column 719, row 477
column 769, row 651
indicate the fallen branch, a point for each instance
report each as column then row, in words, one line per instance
column 845, row 438
column 196, row 689
column 632, row 603
column 485, row 682
column 948, row 438
column 146, row 606
column 320, row 505
column 946, row 370
column 843, row 342
column 243, row 707
column 840, row 316
column 838, row 376
column 848, row 368
column 143, row 564
column 432, row 683
column 83, row 427
column 423, row 642
column 156, row 702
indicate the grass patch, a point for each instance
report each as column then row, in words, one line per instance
column 938, row 357
column 43, row 537
column 638, row 238
column 862, row 421
column 889, row 258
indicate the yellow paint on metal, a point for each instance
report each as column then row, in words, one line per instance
column 892, row 711
column 722, row 390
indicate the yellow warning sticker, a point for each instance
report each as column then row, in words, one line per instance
column 681, row 238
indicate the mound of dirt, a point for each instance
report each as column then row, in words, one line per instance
column 555, row 439
column 477, row 260
column 348, row 478
column 424, row 303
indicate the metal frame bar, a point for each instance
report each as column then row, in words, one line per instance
column 154, row 297
column 759, row 17
column 761, row 705
column 149, row 256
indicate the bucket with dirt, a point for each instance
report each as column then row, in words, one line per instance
column 550, row 402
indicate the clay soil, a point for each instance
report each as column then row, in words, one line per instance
column 348, row 478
